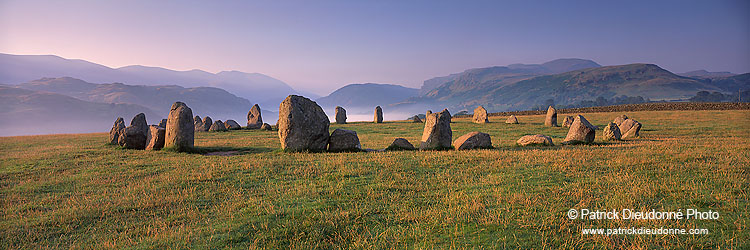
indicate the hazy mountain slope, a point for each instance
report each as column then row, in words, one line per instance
column 259, row 88
column 706, row 74
column 27, row 112
column 203, row 101
column 647, row 80
column 513, row 72
column 731, row 84
column 367, row 95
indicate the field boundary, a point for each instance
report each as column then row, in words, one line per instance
column 653, row 106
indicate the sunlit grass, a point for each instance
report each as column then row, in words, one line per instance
column 74, row 191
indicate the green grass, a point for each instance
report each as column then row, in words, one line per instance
column 63, row 191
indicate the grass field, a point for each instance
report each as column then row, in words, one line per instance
column 63, row 191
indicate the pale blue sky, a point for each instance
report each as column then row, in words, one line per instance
column 322, row 45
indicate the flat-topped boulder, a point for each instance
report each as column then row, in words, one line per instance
column 611, row 132
column 512, row 120
column 180, row 130
column 117, row 129
column 527, row 140
column 400, row 144
column 473, row 140
column 480, row 115
column 581, row 131
column 135, row 135
column 343, row 140
column 254, row 119
column 551, row 119
column 340, row 115
column 232, row 125
column 568, row 121
column 437, row 132
column 303, row 125
column 217, row 126
column 378, row 115
column 156, row 137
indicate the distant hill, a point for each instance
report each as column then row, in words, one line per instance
column 214, row 102
column 27, row 112
column 706, row 74
column 513, row 72
column 500, row 88
column 259, row 88
column 731, row 84
column 367, row 95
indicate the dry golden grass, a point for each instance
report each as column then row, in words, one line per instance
column 63, row 191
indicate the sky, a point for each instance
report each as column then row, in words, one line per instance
column 319, row 46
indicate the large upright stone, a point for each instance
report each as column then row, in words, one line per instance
column 343, row 140
column 232, row 125
column 180, row 130
column 117, row 129
column 480, row 115
column 551, row 119
column 512, row 120
column 437, row 132
column 207, row 122
column 155, row 137
column 581, row 131
column 378, row 115
column 473, row 140
column 135, row 135
column 217, row 126
column 302, row 125
column 340, row 115
column 568, row 121
column 254, row 120
column 630, row 128
column 198, row 124
column 611, row 132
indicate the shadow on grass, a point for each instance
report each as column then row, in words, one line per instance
column 223, row 150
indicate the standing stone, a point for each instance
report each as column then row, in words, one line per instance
column 198, row 124
column 117, row 129
column 535, row 140
column 163, row 123
column 400, row 144
column 437, row 132
column 254, row 121
column 611, row 132
column 217, row 126
column 340, row 115
column 551, row 119
column 630, row 128
column 581, row 131
column 343, row 140
column 568, row 121
column 135, row 135
column 302, row 125
column 415, row 119
column 265, row 126
column 180, row 130
column 427, row 114
column 232, row 125
column 512, row 120
column 618, row 120
column 155, row 137
column 378, row 115
column 207, row 122
column 473, row 140
column 480, row 115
